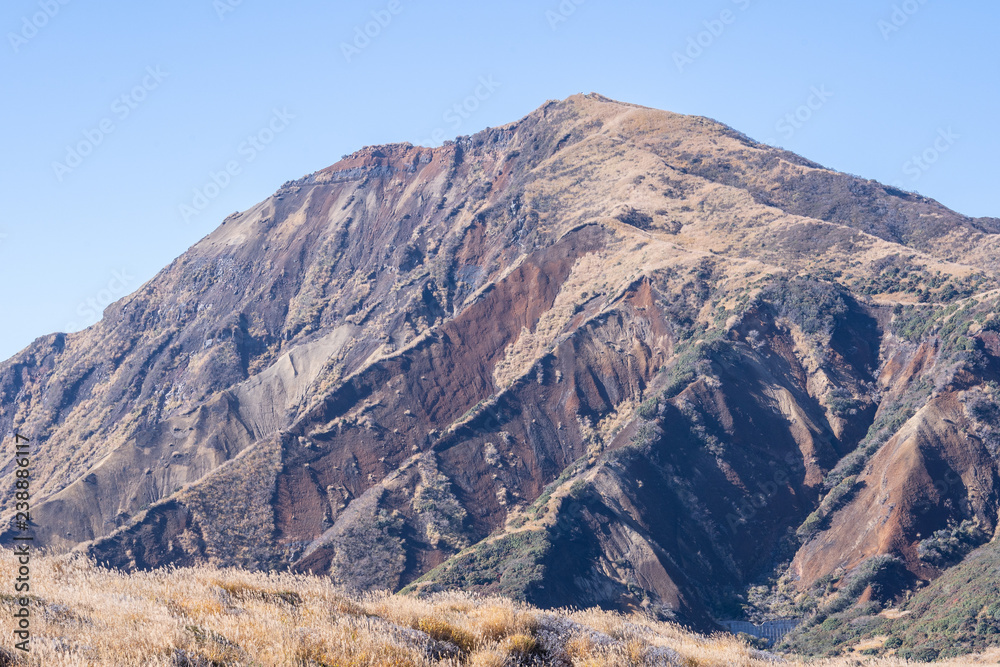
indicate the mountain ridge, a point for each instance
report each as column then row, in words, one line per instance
column 630, row 343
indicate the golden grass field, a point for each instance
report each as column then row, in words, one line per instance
column 86, row 615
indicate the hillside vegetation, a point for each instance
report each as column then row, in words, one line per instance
column 85, row 615
column 957, row 614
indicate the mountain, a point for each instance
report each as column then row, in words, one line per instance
column 604, row 355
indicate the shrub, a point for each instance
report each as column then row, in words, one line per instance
column 811, row 305
column 839, row 495
column 925, row 654
column 834, row 500
column 884, row 573
column 810, row 526
column 850, row 465
column 950, row 545
column 842, row 403
column 984, row 410
column 648, row 408
column 578, row 489
column 636, row 218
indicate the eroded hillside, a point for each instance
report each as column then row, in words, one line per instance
column 603, row 355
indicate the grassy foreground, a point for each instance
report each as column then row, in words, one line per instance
column 197, row 617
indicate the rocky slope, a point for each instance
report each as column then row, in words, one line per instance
column 604, row 355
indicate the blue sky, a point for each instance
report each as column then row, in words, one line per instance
column 118, row 114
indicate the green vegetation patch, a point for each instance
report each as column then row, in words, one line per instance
column 510, row 565
column 957, row 614
column 811, row 305
column 841, row 619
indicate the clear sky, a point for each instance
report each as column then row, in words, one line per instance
column 117, row 113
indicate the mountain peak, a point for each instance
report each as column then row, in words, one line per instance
column 554, row 359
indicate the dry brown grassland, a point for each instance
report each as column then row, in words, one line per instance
column 86, row 615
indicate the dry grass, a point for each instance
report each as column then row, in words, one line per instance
column 86, row 615
column 597, row 278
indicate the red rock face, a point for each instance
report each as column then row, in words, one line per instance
column 603, row 355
